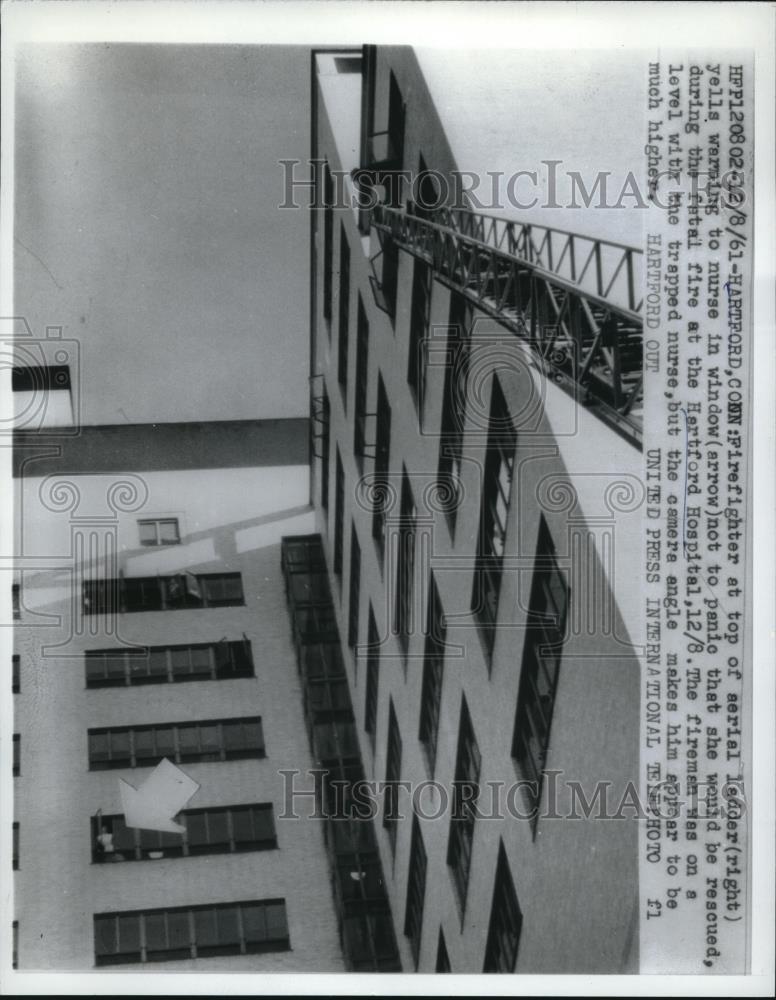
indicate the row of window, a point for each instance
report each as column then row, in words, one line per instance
column 181, row 742
column 221, row 830
column 191, row 932
column 162, row 593
column 169, row 664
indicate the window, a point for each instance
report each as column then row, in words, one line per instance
column 223, row 830
column 328, row 243
column 339, row 516
column 347, row 64
column 372, row 678
column 17, row 751
column 181, row 742
column 433, row 671
column 162, row 593
column 416, row 890
column 325, row 446
column 15, row 955
column 381, row 485
column 325, row 687
column 344, row 316
column 389, row 282
column 166, row 664
column 362, row 376
column 43, row 391
column 419, row 320
column 354, row 595
column 506, row 920
column 442, row 959
column 426, row 193
column 466, row 791
column 454, row 403
column 16, row 601
column 15, row 835
column 159, row 531
column 36, row 377
column 396, row 119
column 405, row 566
column 392, row 775
column 546, row 626
column 190, row 932
column 16, row 683
column 496, row 488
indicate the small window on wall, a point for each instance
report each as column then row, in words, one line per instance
column 16, row 681
column 16, row 601
column 159, row 531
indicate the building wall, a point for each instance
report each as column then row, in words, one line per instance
column 576, row 880
column 230, row 520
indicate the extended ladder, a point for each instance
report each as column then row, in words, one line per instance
column 575, row 299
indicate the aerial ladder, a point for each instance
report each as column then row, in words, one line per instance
column 574, row 299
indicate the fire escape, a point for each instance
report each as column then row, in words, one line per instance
column 574, row 300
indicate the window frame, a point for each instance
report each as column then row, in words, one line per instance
column 157, row 522
column 494, row 515
column 393, row 755
column 416, row 890
column 381, row 484
column 433, row 675
column 505, row 908
column 354, row 587
column 149, row 844
column 177, row 749
column 241, row 943
column 468, row 765
column 372, row 693
column 239, row 664
column 403, row 621
column 420, row 317
column 451, row 438
column 173, row 592
column 343, row 337
column 539, row 672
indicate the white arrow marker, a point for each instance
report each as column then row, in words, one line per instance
column 161, row 796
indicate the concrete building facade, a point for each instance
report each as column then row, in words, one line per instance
column 478, row 543
column 152, row 623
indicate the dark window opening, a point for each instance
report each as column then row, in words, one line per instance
column 328, row 244
column 181, row 742
column 354, row 592
column 392, row 777
column 419, row 321
column 372, row 678
column 344, row 316
column 339, row 516
column 539, row 670
column 433, row 673
column 362, row 376
column 442, row 959
column 496, row 491
column 217, row 830
column 325, row 445
column 465, row 794
column 416, row 891
column 169, row 664
column 162, row 593
column 405, row 569
column 381, row 486
column 506, row 920
column 190, row 932
column 454, row 404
